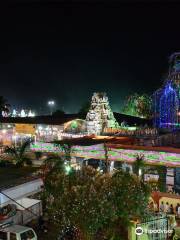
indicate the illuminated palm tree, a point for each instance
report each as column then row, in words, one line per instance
column 139, row 165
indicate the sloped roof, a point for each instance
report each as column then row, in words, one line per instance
column 54, row 120
column 57, row 120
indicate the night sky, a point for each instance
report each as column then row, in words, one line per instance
column 66, row 51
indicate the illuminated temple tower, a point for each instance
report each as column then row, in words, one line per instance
column 100, row 115
column 167, row 98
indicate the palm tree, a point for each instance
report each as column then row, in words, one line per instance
column 18, row 154
column 4, row 106
column 139, row 165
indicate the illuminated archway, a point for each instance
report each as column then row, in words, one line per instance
column 75, row 126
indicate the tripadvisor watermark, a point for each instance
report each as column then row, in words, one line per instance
column 139, row 231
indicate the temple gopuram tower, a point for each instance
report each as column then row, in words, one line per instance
column 167, row 99
column 100, row 115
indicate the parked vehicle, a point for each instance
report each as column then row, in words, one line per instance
column 17, row 232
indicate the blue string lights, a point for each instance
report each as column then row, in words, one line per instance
column 168, row 108
column 167, row 99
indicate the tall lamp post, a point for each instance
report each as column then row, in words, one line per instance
column 51, row 105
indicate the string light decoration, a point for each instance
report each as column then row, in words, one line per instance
column 114, row 154
column 169, row 104
column 166, row 101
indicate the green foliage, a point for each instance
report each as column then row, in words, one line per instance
column 96, row 204
column 54, row 163
column 131, row 196
column 19, row 154
column 138, row 105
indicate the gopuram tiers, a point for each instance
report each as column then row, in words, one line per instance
column 100, row 115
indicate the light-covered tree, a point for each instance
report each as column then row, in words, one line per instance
column 138, row 105
column 139, row 165
column 97, row 206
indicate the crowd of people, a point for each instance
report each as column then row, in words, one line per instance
column 173, row 214
column 170, row 209
column 165, row 208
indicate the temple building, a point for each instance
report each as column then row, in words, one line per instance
column 167, row 98
column 100, row 115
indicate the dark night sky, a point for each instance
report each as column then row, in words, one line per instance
column 66, row 51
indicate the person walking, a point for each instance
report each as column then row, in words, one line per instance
column 155, row 207
column 167, row 208
column 161, row 207
column 171, row 209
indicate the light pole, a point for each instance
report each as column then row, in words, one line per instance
column 51, row 105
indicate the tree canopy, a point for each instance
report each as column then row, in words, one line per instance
column 138, row 105
column 96, row 205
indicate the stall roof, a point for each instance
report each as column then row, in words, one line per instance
column 26, row 203
column 54, row 120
